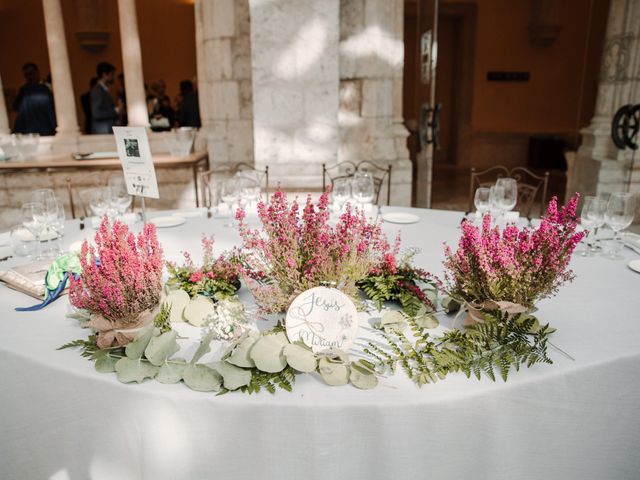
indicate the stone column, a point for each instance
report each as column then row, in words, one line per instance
column 224, row 79
column 63, row 92
column 4, row 117
column 600, row 166
column 132, row 64
column 371, row 69
column 294, row 61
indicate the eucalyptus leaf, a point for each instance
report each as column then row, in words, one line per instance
column 364, row 366
column 171, row 372
column 450, row 305
column 241, row 354
column 392, row 321
column 267, row 353
column 204, row 348
column 177, row 300
column 134, row 370
column 427, row 321
column 197, row 310
column 432, row 296
column 106, row 363
column 334, row 373
column 201, row 378
column 161, row 348
column 135, row 349
column 362, row 378
column 233, row 377
column 300, row 358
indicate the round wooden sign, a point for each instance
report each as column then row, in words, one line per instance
column 322, row 318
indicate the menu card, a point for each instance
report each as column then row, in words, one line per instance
column 137, row 162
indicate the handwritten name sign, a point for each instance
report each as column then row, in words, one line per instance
column 322, row 318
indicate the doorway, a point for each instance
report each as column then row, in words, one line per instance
column 449, row 158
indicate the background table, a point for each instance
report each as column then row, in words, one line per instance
column 579, row 419
column 197, row 161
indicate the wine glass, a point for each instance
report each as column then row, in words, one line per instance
column 57, row 226
column 47, row 198
column 481, row 199
column 230, row 195
column 510, row 196
column 496, row 195
column 593, row 211
column 119, row 197
column 341, row 192
column 618, row 216
column 362, row 188
column 32, row 216
column 100, row 201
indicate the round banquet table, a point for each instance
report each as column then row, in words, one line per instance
column 575, row 419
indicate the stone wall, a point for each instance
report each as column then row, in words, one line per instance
column 371, row 67
column 601, row 168
column 224, row 80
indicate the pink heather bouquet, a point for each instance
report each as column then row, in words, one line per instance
column 121, row 275
column 514, row 266
column 293, row 252
column 217, row 277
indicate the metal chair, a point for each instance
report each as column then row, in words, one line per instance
column 348, row 169
column 208, row 179
column 529, row 185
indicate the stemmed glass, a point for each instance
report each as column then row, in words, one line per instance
column 341, row 192
column 100, row 201
column 510, row 194
column 32, row 220
column 230, row 195
column 362, row 188
column 496, row 196
column 618, row 216
column 57, row 225
column 119, row 197
column 481, row 200
column 592, row 217
column 47, row 198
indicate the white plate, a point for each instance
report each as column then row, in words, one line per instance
column 166, row 222
column 400, row 217
column 193, row 213
column 634, row 265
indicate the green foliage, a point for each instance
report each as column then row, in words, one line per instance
column 401, row 286
column 270, row 381
column 162, row 321
column 502, row 343
column 214, row 288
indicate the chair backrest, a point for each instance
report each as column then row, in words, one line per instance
column 78, row 190
column 209, row 180
column 530, row 186
column 347, row 169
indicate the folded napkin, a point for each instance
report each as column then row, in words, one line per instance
column 27, row 278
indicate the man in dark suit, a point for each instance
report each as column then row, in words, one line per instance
column 104, row 113
column 85, row 102
column 189, row 112
column 34, row 104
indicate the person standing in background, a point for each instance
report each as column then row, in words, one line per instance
column 104, row 113
column 189, row 111
column 34, row 104
column 85, row 102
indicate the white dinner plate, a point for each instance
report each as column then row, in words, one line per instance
column 400, row 217
column 635, row 265
column 169, row 221
column 193, row 213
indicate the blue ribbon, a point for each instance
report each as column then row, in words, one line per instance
column 51, row 294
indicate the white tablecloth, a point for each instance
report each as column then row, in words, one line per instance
column 60, row 419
